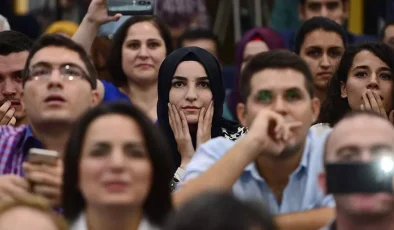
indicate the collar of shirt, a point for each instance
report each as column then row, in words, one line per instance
column 252, row 169
column 29, row 141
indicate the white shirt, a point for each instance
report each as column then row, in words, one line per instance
column 80, row 224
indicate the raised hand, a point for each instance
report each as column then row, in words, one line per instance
column 373, row 102
column 46, row 181
column 271, row 132
column 13, row 187
column 98, row 13
column 204, row 124
column 7, row 114
column 180, row 128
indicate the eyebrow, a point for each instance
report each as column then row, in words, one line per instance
column 47, row 64
column 365, row 67
column 185, row 78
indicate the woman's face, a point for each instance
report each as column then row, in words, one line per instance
column 251, row 49
column 368, row 73
column 115, row 167
column 190, row 90
column 143, row 51
column 322, row 51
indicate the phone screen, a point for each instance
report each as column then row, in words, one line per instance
column 372, row 177
column 131, row 7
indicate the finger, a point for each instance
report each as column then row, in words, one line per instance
column 372, row 101
column 379, row 101
column 171, row 117
column 185, row 125
column 367, row 105
column 4, row 108
column 209, row 115
column 46, row 191
column 7, row 116
column 391, row 116
column 44, row 178
column 178, row 121
column 12, row 121
column 201, row 119
column 15, row 190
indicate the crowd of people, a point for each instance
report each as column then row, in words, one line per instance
column 149, row 136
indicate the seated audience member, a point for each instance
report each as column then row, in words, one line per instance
column 363, row 80
column 99, row 53
column 336, row 10
column 59, row 84
column 219, row 211
column 387, row 33
column 255, row 41
column 65, row 28
column 203, row 38
column 117, row 171
column 360, row 138
column 139, row 47
column 14, row 49
column 279, row 160
column 30, row 213
column 4, row 25
column 190, row 106
column 321, row 43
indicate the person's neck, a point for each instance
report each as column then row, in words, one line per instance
column 113, row 218
column 321, row 94
column 344, row 222
column 52, row 136
column 276, row 170
column 21, row 121
column 144, row 97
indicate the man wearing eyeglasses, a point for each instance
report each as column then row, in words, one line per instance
column 359, row 162
column 59, row 84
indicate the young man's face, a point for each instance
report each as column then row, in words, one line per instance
column 335, row 10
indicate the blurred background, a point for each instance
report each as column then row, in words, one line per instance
column 228, row 19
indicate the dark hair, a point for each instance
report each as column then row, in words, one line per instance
column 199, row 33
column 14, row 42
column 56, row 40
column 351, row 115
column 335, row 107
column 317, row 23
column 158, row 202
column 275, row 59
column 217, row 211
column 383, row 31
column 304, row 1
column 115, row 56
column 99, row 52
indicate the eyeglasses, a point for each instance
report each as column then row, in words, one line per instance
column 67, row 72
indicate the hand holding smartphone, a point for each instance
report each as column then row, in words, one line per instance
column 131, row 7
column 42, row 157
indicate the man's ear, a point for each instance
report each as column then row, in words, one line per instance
column 241, row 114
column 95, row 98
column 322, row 181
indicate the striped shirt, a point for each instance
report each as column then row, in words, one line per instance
column 15, row 143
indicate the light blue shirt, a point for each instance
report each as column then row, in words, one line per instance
column 302, row 191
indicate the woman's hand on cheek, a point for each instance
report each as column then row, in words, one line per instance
column 180, row 128
column 205, row 124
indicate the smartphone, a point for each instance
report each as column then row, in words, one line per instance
column 42, row 156
column 359, row 177
column 131, row 7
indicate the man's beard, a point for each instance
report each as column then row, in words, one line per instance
column 290, row 150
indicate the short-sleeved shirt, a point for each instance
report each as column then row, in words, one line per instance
column 302, row 191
